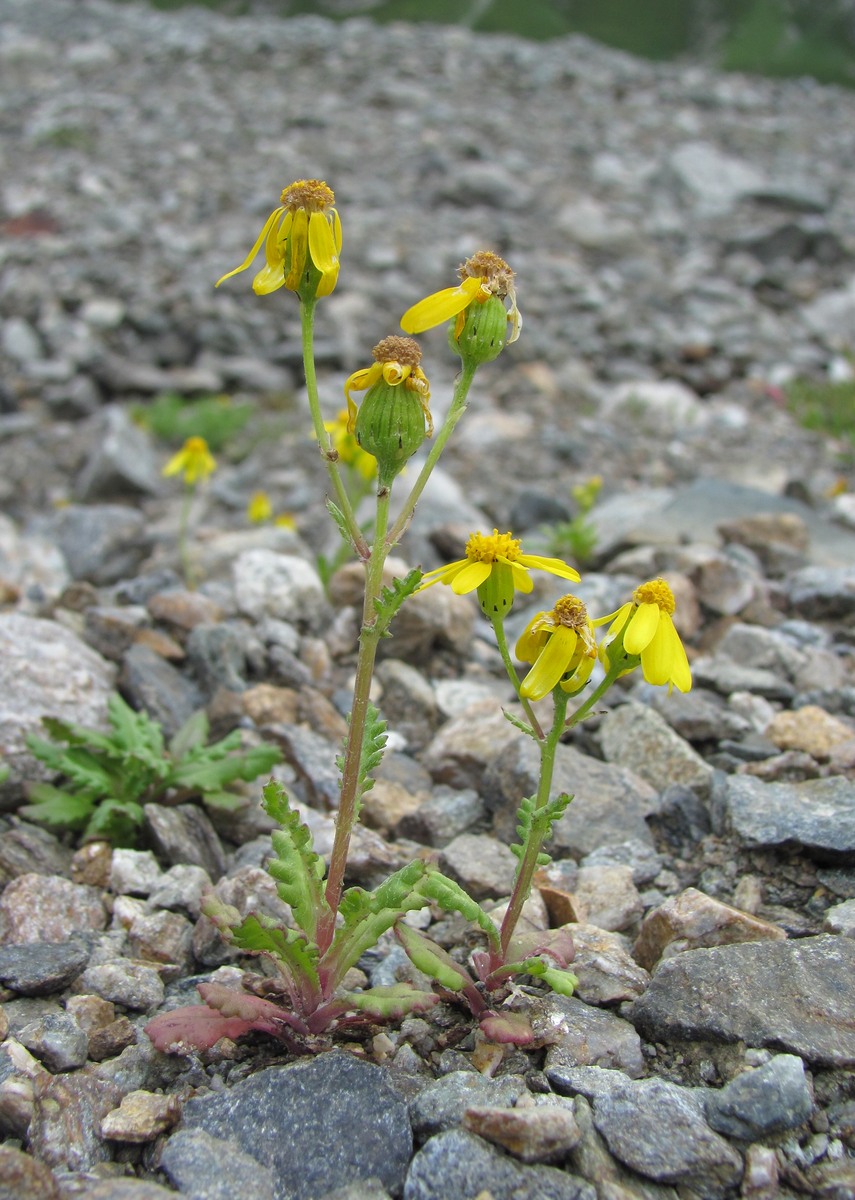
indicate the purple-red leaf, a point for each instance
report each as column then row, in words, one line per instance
column 556, row 944
column 194, row 1028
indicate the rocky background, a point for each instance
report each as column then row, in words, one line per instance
column 684, row 245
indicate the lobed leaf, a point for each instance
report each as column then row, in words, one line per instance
column 393, row 596
column 432, row 960
column 392, row 1002
column 297, row 868
column 367, row 915
column 452, row 898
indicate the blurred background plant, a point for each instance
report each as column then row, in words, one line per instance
column 576, row 539
column 174, row 418
column 766, row 37
column 828, row 406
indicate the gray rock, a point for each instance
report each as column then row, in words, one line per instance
column 203, row 1167
column 441, row 1105
column 184, row 835
column 220, row 655
column 67, row 1114
column 130, row 984
column 317, row 1124
column 578, row 1035
column 643, row 860
column 822, row 593
column 57, row 1041
column 793, row 994
column 445, row 814
column 314, row 759
column 42, row 968
column 462, row 1165
column 134, row 872
column 840, row 918
column 408, row 702
column 657, row 1129
column 481, row 864
column 27, row 849
column 49, row 672
column 269, row 584
column 122, row 461
column 181, row 888
column 636, row 737
column 762, row 1101
column 610, row 803
column 101, row 542
column 817, row 815
column 22, row 1178
column 715, row 181
column 150, row 682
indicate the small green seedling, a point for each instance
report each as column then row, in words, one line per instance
column 109, row 777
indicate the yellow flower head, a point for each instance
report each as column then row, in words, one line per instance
column 561, row 645
column 259, row 508
column 302, row 242
column 483, row 277
column 194, row 461
column 396, row 361
column 348, row 449
column 496, row 567
column 648, row 633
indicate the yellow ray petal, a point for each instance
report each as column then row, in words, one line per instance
column 259, row 242
column 470, row 577
column 551, row 664
column 642, row 628
column 440, row 307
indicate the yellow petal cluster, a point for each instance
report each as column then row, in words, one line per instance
column 302, row 234
column 396, row 360
column 194, row 461
column 562, row 646
column 649, row 634
column 495, row 566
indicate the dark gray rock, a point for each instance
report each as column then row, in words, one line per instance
column 820, row 593
column 184, row 835
column 317, row 1124
column 658, row 1129
column 41, row 968
column 101, row 542
column 610, row 802
column 817, row 815
column 122, row 461
column 203, row 1167
column 313, row 758
column 26, row 849
column 219, row 655
column 150, row 682
column 441, row 1105
column 445, row 814
column 578, row 1034
column 795, row 994
column 464, row 1166
column 762, row 1101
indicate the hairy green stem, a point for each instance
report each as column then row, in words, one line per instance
column 328, row 454
column 540, row 824
column 455, row 412
column 498, row 624
column 368, row 640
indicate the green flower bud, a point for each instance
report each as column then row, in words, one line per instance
column 390, row 425
column 484, row 332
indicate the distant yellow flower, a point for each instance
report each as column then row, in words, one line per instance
column 348, row 448
column 496, row 567
column 559, row 643
column 259, row 508
column 194, row 461
column 482, row 276
column 649, row 634
column 302, row 242
column 285, row 520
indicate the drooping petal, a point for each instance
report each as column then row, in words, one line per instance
column 440, row 307
column 176, row 464
column 664, row 660
column 551, row 664
column 523, row 582
column 269, row 279
column 359, row 381
column 259, row 242
column 299, row 247
column 555, row 566
column 580, row 676
column 642, row 628
column 336, row 228
column 322, row 243
column 443, row 574
column 530, row 642
column 470, row 577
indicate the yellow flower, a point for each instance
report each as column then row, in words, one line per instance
column 496, row 567
column 259, row 508
column 648, row 633
column 348, row 448
column 285, row 520
column 194, row 461
column 560, row 643
column 394, row 417
column 302, row 242
column 482, row 276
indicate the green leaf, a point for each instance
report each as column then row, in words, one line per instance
column 117, row 821
column 340, row 522
column 392, row 597
column 207, row 776
column 391, row 1002
column 523, row 726
column 451, row 898
column 289, row 947
column 224, row 801
column 137, row 734
column 367, row 915
column 370, row 754
column 538, row 822
column 192, row 735
column 432, row 960
column 51, row 806
column 297, row 869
